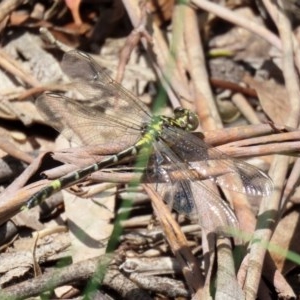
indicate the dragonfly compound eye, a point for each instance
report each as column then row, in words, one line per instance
column 186, row 119
column 193, row 121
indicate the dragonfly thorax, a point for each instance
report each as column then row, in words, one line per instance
column 152, row 130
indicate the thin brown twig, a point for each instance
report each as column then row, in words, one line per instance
column 227, row 135
column 131, row 42
column 233, row 86
column 40, row 89
column 16, row 69
column 177, row 242
column 11, row 149
column 234, row 18
column 245, row 108
column 8, row 6
column 177, row 46
column 204, row 100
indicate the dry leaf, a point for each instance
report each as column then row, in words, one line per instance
column 286, row 238
column 273, row 99
column 89, row 223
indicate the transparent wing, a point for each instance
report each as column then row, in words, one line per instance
column 192, row 198
column 94, row 83
column 88, row 125
column 116, row 115
column 211, row 163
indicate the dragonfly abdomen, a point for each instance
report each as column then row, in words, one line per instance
column 70, row 179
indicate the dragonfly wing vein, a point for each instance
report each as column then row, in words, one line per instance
column 213, row 164
column 94, row 82
column 86, row 125
column 192, row 198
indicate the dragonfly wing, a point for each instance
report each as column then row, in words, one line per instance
column 83, row 124
column 211, row 163
column 237, row 176
column 94, row 82
column 192, row 198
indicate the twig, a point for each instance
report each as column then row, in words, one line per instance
column 234, row 18
column 245, row 108
column 46, row 34
column 11, row 149
column 131, row 42
column 75, row 273
column 8, row 6
column 177, row 242
column 204, row 102
column 233, row 86
column 16, row 69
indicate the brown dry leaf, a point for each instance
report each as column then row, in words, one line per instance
column 286, row 237
column 273, row 99
column 89, row 223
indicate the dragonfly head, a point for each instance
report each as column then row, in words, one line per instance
column 186, row 119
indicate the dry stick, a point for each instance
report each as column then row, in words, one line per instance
column 206, row 108
column 47, row 35
column 279, row 166
column 292, row 182
column 177, row 46
column 13, row 67
column 252, row 151
column 292, row 86
column 24, row 95
column 131, row 42
column 234, row 18
column 11, row 149
column 288, row 67
column 8, row 6
column 227, row 135
column 158, row 285
column 167, row 66
column 177, row 242
column 245, row 108
column 77, row 272
column 227, row 285
column 14, row 196
column 204, row 99
column 227, row 85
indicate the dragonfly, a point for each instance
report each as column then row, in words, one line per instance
column 174, row 153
